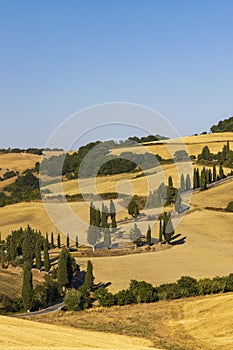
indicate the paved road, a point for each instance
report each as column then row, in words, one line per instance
column 48, row 310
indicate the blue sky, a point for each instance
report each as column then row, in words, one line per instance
column 58, row 57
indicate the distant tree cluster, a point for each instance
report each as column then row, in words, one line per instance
column 207, row 176
column 225, row 125
column 224, row 157
column 99, row 224
column 163, row 195
column 25, row 188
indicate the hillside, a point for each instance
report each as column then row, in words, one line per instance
column 193, row 144
column 19, row 334
column 203, row 323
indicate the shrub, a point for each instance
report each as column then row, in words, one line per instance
column 169, row 291
column 204, row 286
column 219, row 284
column 125, row 297
column 143, row 292
column 104, row 297
column 229, row 207
column 73, row 300
column 187, row 286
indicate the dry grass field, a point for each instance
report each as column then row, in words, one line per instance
column 11, row 280
column 193, row 145
column 202, row 323
column 16, row 334
column 18, row 161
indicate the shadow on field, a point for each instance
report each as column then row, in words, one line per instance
column 175, row 241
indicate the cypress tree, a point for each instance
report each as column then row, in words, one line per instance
column 203, row 180
column 27, row 290
column 107, row 238
column 97, row 218
column 221, row 173
column 93, row 235
column 62, row 272
column 170, row 182
column 58, row 240
column 148, row 235
column 178, row 203
column 210, row 178
column 198, row 178
column 188, row 183
column 76, row 241
column 104, row 217
column 182, row 183
column 89, row 278
column 169, row 230
column 38, row 253
column 194, row 178
column 68, row 241
column 160, row 229
column 214, row 173
column 28, row 246
column 46, row 256
column 52, row 240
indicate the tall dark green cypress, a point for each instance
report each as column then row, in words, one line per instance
column 182, row 183
column 221, row 173
column 27, row 290
column 198, row 178
column 52, row 240
column 107, row 238
column 58, row 240
column 148, row 235
column 214, row 173
column 170, row 182
column 62, row 272
column 68, row 241
column 89, row 278
column 160, row 229
column 76, row 241
column 203, row 180
column 46, row 256
column 188, row 183
column 194, row 178
column 28, row 246
column 38, row 253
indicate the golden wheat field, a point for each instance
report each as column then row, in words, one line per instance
column 192, row 144
column 20, row 334
column 18, row 161
column 201, row 323
column 11, row 280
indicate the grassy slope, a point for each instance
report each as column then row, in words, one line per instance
column 194, row 145
column 11, row 281
column 23, row 334
column 202, row 323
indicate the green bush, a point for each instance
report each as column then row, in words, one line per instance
column 143, row 292
column 104, row 297
column 204, row 286
column 229, row 207
column 188, row 286
column 169, row 291
column 125, row 297
column 73, row 300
